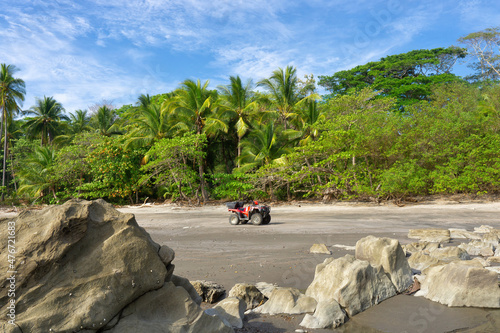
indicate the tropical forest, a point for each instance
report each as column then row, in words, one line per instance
column 403, row 126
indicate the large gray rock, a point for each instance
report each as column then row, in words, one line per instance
column 167, row 310
column 287, row 300
column 458, row 284
column 430, row 235
column 327, row 315
column 386, row 252
column 354, row 284
column 231, row 310
column 249, row 293
column 78, row 266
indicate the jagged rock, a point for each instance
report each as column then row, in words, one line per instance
column 266, row 288
column 80, row 264
column 493, row 260
column 354, row 284
column 458, row 284
column 463, row 234
column 477, row 247
column 421, row 260
column 420, row 246
column 287, row 300
column 484, row 229
column 319, row 249
column 490, row 238
column 388, row 253
column 495, row 269
column 81, row 258
column 430, row 235
column 167, row 310
column 231, row 310
column 450, row 253
column 209, row 291
column 248, row 293
column 327, row 315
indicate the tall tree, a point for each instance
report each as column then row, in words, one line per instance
column 485, row 47
column 46, row 121
column 408, row 77
column 197, row 109
column 283, row 87
column 12, row 91
column 238, row 98
column 105, row 120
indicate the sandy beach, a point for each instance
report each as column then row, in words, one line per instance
column 209, row 248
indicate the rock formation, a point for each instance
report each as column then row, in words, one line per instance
column 83, row 266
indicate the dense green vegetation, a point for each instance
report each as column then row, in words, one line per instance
column 398, row 127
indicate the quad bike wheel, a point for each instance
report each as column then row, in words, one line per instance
column 267, row 219
column 234, row 219
column 256, row 218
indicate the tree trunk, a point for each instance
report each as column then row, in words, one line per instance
column 4, row 157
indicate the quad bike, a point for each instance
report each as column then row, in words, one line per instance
column 255, row 213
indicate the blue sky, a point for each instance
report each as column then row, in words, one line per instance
column 81, row 52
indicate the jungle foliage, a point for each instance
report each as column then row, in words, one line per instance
column 400, row 127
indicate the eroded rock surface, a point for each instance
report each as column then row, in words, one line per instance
column 354, row 284
column 80, row 264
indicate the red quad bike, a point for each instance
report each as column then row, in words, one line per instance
column 255, row 213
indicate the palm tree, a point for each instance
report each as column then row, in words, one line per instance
column 79, row 121
column 195, row 108
column 150, row 125
column 261, row 147
column 12, row 91
column 283, row 87
column 105, row 119
column 238, row 98
column 48, row 114
column 35, row 175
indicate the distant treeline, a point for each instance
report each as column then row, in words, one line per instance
column 402, row 126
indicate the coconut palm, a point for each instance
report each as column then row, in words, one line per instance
column 238, row 99
column 105, row 120
column 261, row 147
column 35, row 175
column 283, row 87
column 79, row 122
column 12, row 91
column 149, row 125
column 195, row 108
column 46, row 121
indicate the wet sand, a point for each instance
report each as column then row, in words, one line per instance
column 207, row 247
